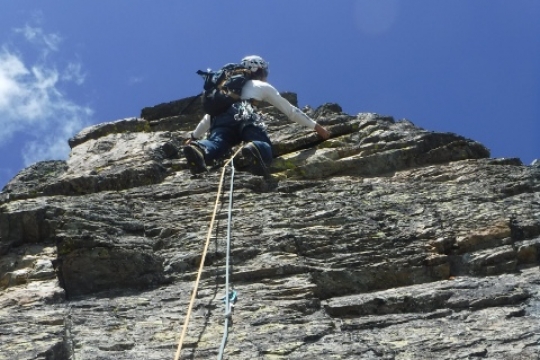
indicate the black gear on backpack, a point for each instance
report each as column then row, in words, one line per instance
column 223, row 88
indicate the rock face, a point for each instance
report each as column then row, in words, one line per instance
column 385, row 242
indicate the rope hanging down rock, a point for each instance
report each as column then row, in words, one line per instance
column 228, row 299
column 203, row 257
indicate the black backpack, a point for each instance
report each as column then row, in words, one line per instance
column 223, row 88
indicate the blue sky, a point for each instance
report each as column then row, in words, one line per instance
column 468, row 67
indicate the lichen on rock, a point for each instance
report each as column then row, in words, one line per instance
column 387, row 241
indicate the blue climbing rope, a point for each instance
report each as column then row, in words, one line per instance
column 230, row 298
column 205, row 251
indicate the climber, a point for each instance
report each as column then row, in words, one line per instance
column 242, row 122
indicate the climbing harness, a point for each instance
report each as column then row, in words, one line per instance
column 230, row 298
column 248, row 115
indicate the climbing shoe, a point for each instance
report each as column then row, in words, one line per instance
column 195, row 159
column 254, row 161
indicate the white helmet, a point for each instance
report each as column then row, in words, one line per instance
column 254, row 63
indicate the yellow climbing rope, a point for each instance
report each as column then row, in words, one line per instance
column 205, row 251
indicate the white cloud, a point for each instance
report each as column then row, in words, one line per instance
column 74, row 73
column 53, row 146
column 11, row 70
column 31, row 100
column 35, row 35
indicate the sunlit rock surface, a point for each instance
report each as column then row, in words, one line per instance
column 386, row 241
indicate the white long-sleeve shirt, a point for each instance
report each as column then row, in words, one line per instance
column 262, row 91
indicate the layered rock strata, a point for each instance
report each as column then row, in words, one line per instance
column 387, row 241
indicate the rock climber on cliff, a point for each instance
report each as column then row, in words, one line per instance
column 242, row 122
